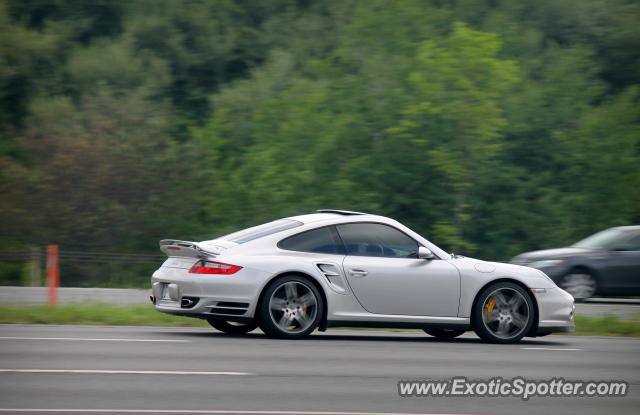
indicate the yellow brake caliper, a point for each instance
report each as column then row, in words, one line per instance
column 489, row 306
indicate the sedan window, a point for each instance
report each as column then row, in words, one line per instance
column 631, row 244
column 322, row 240
column 603, row 239
column 378, row 240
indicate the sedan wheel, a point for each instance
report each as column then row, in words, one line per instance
column 503, row 313
column 291, row 308
column 581, row 285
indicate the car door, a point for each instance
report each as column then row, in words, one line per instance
column 386, row 276
column 624, row 266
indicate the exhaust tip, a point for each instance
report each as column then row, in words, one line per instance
column 188, row 302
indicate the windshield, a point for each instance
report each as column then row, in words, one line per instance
column 260, row 231
column 601, row 240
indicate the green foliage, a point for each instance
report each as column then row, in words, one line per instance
column 24, row 55
column 455, row 117
column 607, row 326
column 489, row 127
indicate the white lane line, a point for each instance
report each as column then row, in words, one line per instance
column 550, row 348
column 127, row 372
column 92, row 339
column 204, row 411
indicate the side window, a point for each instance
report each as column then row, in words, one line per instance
column 631, row 244
column 375, row 239
column 321, row 240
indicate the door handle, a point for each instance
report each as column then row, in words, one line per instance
column 358, row 272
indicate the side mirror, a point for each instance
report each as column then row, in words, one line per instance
column 425, row 253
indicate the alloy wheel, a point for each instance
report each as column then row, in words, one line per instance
column 293, row 307
column 505, row 313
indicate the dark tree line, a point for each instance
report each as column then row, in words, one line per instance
column 491, row 127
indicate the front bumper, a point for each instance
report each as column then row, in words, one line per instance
column 556, row 311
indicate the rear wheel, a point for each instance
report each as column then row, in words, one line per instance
column 231, row 327
column 580, row 284
column 291, row 308
column 504, row 313
column 444, row 333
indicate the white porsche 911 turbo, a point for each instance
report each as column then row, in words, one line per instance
column 340, row 268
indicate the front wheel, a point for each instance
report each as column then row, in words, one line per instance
column 504, row 313
column 231, row 327
column 444, row 333
column 291, row 308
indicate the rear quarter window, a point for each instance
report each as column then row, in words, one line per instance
column 322, row 241
column 261, row 231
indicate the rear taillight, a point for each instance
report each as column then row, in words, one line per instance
column 211, row 267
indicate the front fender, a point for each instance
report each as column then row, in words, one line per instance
column 476, row 274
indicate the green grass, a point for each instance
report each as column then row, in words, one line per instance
column 145, row 315
column 607, row 326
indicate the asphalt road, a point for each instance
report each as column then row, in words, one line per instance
column 151, row 369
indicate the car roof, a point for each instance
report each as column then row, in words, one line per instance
column 628, row 228
column 334, row 215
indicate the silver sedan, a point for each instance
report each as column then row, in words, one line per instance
column 340, row 268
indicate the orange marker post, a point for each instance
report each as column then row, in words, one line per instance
column 53, row 274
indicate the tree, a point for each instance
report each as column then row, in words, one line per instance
column 455, row 116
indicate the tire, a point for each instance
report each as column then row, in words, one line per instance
column 232, row 327
column 290, row 308
column 503, row 313
column 580, row 284
column 444, row 333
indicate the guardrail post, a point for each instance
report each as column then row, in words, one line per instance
column 53, row 274
column 36, row 279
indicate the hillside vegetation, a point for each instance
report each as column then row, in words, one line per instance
column 491, row 127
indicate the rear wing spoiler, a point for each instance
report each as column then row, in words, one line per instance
column 185, row 249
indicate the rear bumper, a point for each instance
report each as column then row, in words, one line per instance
column 229, row 297
column 205, row 315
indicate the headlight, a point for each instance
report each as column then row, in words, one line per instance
column 546, row 263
